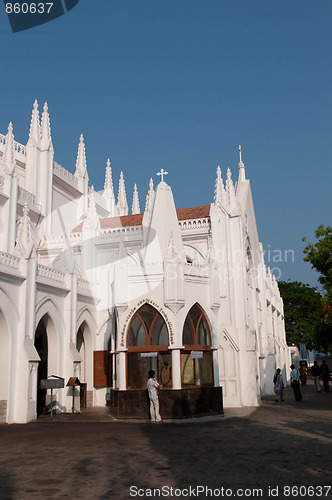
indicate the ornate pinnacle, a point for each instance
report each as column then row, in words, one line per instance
column 241, row 167
column 219, row 192
column 45, row 127
column 108, row 177
column 9, row 153
column 81, row 168
column 230, row 189
column 122, row 204
column 135, row 209
column 35, row 124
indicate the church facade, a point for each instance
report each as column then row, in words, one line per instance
column 91, row 291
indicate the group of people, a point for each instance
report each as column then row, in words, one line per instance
column 318, row 373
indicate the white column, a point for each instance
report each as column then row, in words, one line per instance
column 176, row 368
column 215, row 367
column 122, row 385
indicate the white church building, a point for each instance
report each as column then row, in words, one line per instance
column 92, row 290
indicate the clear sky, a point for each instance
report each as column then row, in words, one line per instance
column 179, row 84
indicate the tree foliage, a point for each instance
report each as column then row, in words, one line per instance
column 302, row 311
column 319, row 255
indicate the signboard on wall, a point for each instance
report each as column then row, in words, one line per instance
column 197, row 354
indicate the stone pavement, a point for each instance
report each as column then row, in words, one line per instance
column 248, row 452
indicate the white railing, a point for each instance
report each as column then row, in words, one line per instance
column 25, row 196
column 62, row 172
column 116, row 231
column 51, row 274
column 9, row 260
column 83, row 284
column 193, row 224
column 18, row 147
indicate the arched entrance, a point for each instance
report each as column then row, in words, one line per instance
column 41, row 346
column 4, row 367
column 148, row 342
column 84, row 348
column 196, row 357
column 47, row 346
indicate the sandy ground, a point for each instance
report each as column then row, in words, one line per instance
column 260, row 453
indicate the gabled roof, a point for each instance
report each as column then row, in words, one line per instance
column 136, row 220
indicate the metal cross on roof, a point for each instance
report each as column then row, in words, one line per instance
column 162, row 173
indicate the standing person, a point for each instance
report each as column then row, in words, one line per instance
column 303, row 375
column 295, row 382
column 325, row 374
column 152, row 387
column 278, row 386
column 315, row 372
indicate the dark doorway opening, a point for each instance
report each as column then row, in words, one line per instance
column 42, row 349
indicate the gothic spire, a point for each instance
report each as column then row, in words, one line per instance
column 108, row 184
column 9, row 153
column 230, row 190
column 81, row 169
column 35, row 124
column 122, row 204
column 219, row 193
column 45, row 128
column 241, row 167
column 135, row 209
column 150, row 197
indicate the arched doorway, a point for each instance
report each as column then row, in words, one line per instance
column 196, row 357
column 4, row 367
column 84, row 347
column 47, row 346
column 148, row 342
column 41, row 346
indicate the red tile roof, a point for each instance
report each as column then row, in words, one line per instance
column 193, row 212
column 136, row 220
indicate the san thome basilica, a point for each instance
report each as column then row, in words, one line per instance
column 94, row 295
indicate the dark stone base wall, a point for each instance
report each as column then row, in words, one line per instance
column 184, row 403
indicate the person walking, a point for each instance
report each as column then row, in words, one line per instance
column 325, row 374
column 315, row 372
column 295, row 383
column 152, row 387
column 278, row 386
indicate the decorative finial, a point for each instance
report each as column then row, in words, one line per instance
column 162, row 173
column 81, row 138
column 241, row 167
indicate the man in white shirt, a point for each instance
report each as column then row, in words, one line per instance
column 152, row 387
column 295, row 382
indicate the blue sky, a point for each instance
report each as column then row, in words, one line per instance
column 178, row 84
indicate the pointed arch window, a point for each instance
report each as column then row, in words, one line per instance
column 148, row 342
column 196, row 338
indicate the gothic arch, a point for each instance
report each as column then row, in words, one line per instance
column 184, row 314
column 48, row 317
column 148, row 340
column 196, row 357
column 191, row 250
column 123, row 335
